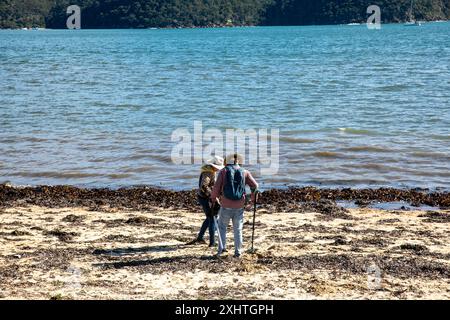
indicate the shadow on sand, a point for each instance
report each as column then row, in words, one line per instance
column 119, row 252
column 169, row 261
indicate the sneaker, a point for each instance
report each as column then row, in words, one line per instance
column 217, row 256
column 237, row 255
column 200, row 241
column 190, row 243
column 212, row 245
column 223, row 251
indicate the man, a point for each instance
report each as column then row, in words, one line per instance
column 230, row 190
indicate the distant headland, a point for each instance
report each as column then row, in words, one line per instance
column 110, row 14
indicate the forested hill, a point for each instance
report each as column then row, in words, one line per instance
column 203, row 13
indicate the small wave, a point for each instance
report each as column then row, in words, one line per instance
column 311, row 131
column 33, row 81
column 135, row 157
column 378, row 167
column 180, row 112
column 9, row 140
column 34, row 139
column 327, row 154
column 118, row 176
column 440, row 137
column 434, row 155
column 184, row 176
column 89, row 83
column 229, row 109
column 139, row 169
column 70, row 175
column 354, row 183
column 148, row 156
column 57, row 175
column 128, row 106
column 161, row 158
column 367, row 149
column 435, row 174
column 393, row 88
column 97, row 160
column 296, row 140
column 359, row 131
column 100, row 104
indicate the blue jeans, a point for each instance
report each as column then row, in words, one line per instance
column 237, row 216
column 208, row 223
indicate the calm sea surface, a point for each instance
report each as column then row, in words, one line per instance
column 355, row 107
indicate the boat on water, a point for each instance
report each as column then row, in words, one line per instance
column 412, row 22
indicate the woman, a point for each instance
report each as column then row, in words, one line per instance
column 206, row 183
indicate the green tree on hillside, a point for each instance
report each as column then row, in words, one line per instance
column 201, row 13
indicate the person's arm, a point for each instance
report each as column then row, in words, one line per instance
column 251, row 182
column 218, row 186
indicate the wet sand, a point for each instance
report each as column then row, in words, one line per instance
column 314, row 251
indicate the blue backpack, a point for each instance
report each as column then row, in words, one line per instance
column 234, row 186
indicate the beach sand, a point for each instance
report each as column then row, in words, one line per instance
column 110, row 253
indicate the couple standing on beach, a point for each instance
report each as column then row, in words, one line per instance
column 222, row 192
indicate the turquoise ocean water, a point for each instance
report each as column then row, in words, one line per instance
column 355, row 107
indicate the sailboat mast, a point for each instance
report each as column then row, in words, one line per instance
column 411, row 10
column 412, row 21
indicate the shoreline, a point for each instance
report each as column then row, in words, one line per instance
column 294, row 198
column 228, row 26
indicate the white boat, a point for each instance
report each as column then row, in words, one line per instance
column 413, row 24
column 354, row 24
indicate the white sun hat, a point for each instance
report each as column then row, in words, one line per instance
column 216, row 162
column 231, row 158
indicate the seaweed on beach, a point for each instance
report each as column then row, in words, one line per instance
column 418, row 248
column 433, row 216
column 328, row 208
column 363, row 203
column 143, row 198
column 339, row 241
column 402, row 267
column 141, row 220
column 120, row 238
column 377, row 242
column 111, row 223
column 9, row 272
column 289, row 246
column 147, row 198
column 16, row 233
column 363, row 196
column 73, row 218
column 56, row 258
column 389, row 221
column 62, row 235
column 134, row 221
